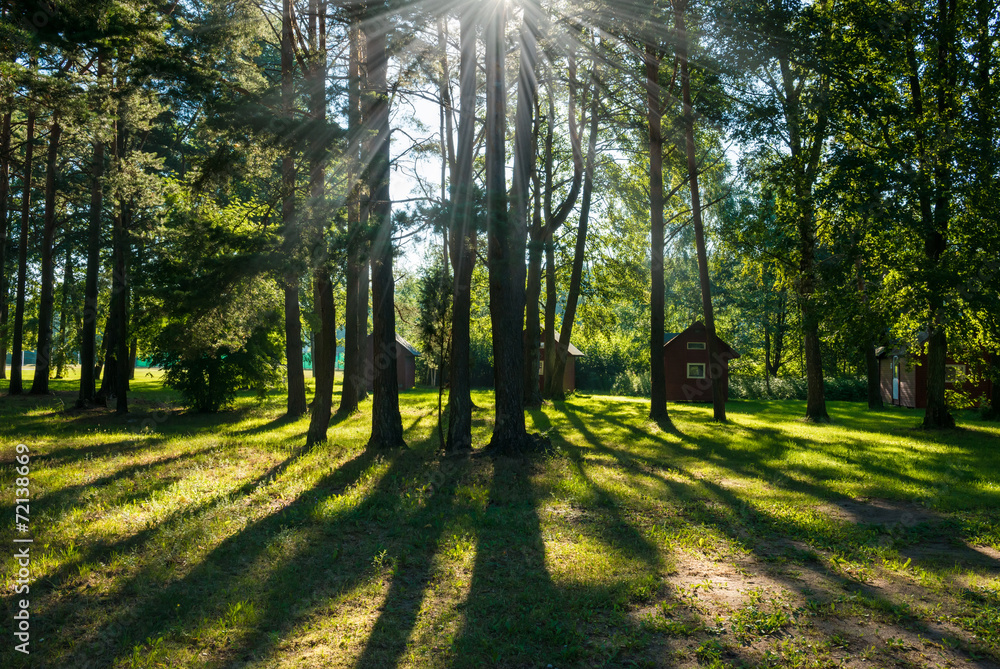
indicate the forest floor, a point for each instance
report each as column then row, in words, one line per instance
column 170, row 539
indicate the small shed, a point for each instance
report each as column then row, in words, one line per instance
column 406, row 363
column 686, row 363
column 903, row 376
column 569, row 376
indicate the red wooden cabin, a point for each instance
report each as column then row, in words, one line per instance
column 406, row 363
column 685, row 361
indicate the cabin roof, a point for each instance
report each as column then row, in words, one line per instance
column 670, row 337
column 571, row 350
column 410, row 348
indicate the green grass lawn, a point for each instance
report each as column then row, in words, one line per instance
column 168, row 539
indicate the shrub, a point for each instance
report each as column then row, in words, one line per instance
column 849, row 389
column 632, row 385
column 208, row 381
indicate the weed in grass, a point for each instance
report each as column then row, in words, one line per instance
column 757, row 618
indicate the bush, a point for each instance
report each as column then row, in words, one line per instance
column 610, row 363
column 631, row 384
column 209, row 381
column 849, row 389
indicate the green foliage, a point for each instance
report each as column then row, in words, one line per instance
column 632, row 384
column 209, row 379
column 434, row 319
column 849, row 389
column 610, row 362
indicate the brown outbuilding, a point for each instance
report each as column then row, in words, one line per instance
column 406, row 363
column 569, row 375
column 685, row 361
column 903, row 376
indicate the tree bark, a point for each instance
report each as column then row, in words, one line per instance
column 133, row 357
column 355, row 323
column 293, row 325
column 387, row 423
column 554, row 219
column 561, row 350
column 16, row 380
column 324, row 358
column 109, row 345
column 506, row 257
column 533, row 294
column 47, row 298
column 717, row 363
column 657, row 295
column 936, row 225
column 64, row 308
column 325, row 352
column 464, row 240
column 88, row 346
column 119, row 305
column 525, row 156
column 805, row 159
column 4, row 234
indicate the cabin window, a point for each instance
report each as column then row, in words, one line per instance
column 696, row 346
column 696, row 370
column 954, row 373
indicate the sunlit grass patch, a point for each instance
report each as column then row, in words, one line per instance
column 206, row 540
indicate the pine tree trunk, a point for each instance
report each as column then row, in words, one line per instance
column 533, row 295
column 549, row 329
column 133, row 356
column 936, row 224
column 101, row 394
column 119, row 306
column 717, row 364
column 4, row 234
column 324, row 358
column 325, row 350
column 576, row 278
column 506, row 257
column 88, row 346
column 293, row 325
column 463, row 245
column 937, row 415
column 17, row 340
column 355, row 323
column 555, row 218
column 524, row 167
column 815, row 392
column 387, row 423
column 657, row 295
column 67, row 287
column 47, row 299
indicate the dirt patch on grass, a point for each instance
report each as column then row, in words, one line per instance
column 755, row 606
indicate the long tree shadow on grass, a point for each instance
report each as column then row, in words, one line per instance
column 413, row 560
column 516, row 615
column 751, row 464
column 99, row 551
column 322, row 556
column 767, row 535
column 770, row 444
column 147, row 611
column 51, row 502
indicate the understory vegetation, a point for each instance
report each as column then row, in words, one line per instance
column 173, row 538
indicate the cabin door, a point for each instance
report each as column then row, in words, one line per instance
column 895, row 380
